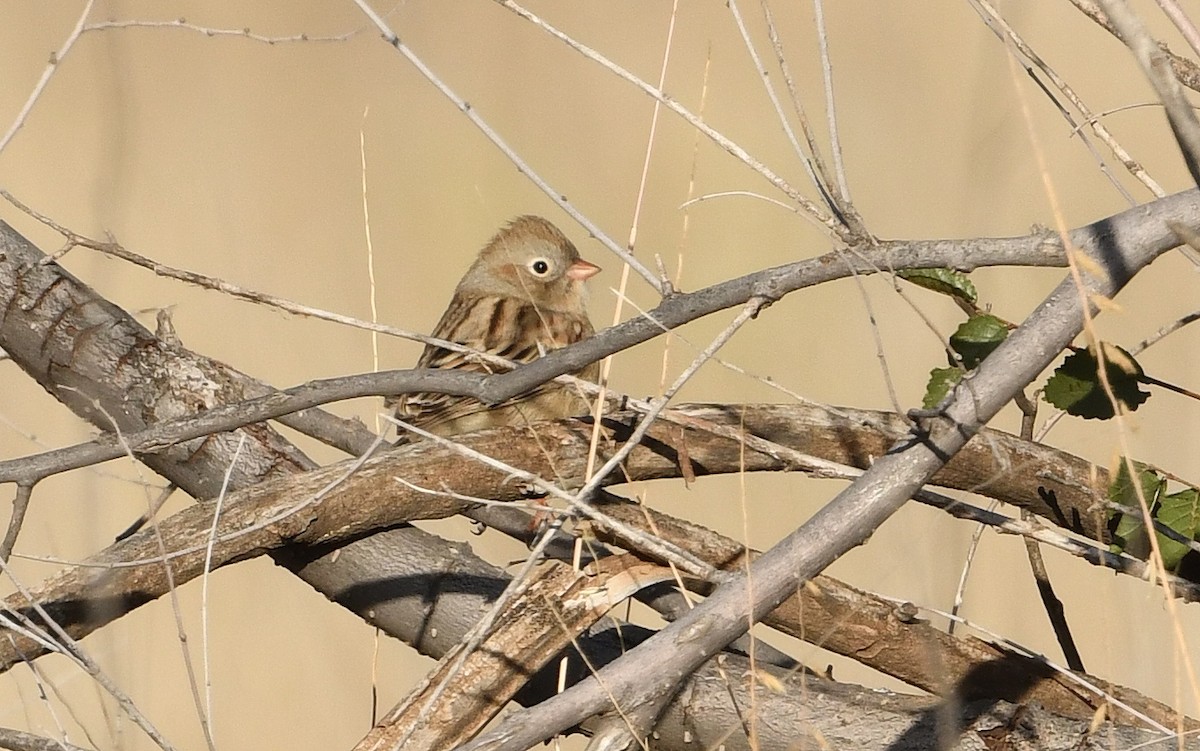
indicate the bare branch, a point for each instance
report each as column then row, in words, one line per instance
column 1187, row 71
column 17, row 740
column 56, row 59
column 557, row 606
column 211, row 31
column 810, row 209
column 886, row 637
column 651, row 669
column 773, row 284
column 1030, row 60
column 20, row 505
column 1157, row 68
column 367, row 497
column 465, row 108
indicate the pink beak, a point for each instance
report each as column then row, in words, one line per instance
column 582, row 270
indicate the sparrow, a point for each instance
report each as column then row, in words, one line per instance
column 523, row 296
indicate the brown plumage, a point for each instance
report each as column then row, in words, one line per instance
column 524, row 294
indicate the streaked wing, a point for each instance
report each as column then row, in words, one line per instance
column 504, row 326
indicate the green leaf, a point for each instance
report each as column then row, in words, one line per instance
column 946, row 281
column 1129, row 530
column 1181, row 512
column 977, row 337
column 941, row 380
column 1075, row 385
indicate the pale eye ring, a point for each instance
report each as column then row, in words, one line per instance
column 540, row 266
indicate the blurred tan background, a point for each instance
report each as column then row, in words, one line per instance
column 241, row 160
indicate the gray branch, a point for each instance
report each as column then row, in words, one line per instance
column 1038, row 249
column 109, row 369
column 1120, row 246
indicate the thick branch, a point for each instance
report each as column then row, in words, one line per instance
column 109, row 369
column 1028, row 250
column 366, row 498
column 1148, row 221
column 831, row 614
column 652, row 669
column 718, row 699
column 883, row 636
column 220, row 415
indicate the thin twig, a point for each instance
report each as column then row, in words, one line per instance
column 1121, row 564
column 824, row 181
column 765, row 77
column 668, row 288
column 151, row 509
column 46, row 686
column 767, row 381
column 1065, row 673
column 62, row 642
column 999, row 26
column 1179, row 17
column 20, row 506
column 751, row 310
column 835, row 141
column 577, row 501
column 727, row 193
column 172, row 590
column 1051, row 602
column 1186, row 69
column 873, row 326
column 811, row 210
column 56, row 59
column 1164, row 331
column 372, row 286
column 209, row 31
column 1154, row 63
column 218, row 505
column 17, row 740
column 523, row 167
column 116, row 250
column 960, row 591
column 1162, row 529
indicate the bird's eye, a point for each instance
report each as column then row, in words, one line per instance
column 540, row 267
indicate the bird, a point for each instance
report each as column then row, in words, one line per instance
column 523, row 296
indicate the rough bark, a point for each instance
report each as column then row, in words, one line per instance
column 110, row 370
